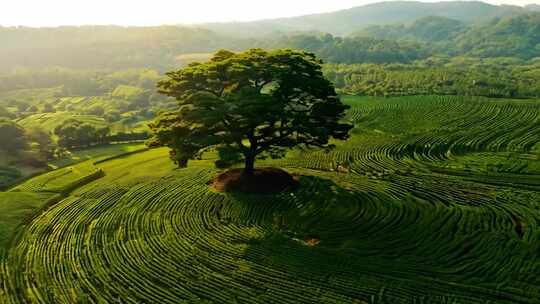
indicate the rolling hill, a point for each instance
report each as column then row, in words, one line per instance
column 517, row 36
column 162, row 47
column 426, row 29
column 351, row 20
column 511, row 36
column 432, row 200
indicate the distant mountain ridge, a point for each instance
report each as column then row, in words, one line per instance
column 425, row 29
column 533, row 7
column 348, row 21
column 517, row 35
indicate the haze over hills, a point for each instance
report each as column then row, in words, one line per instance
column 512, row 36
column 429, row 28
column 533, row 7
column 107, row 47
column 376, row 33
column 348, row 21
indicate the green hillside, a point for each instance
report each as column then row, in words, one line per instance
column 490, row 31
column 17, row 207
column 427, row 29
column 348, row 21
column 432, row 200
column 518, row 36
column 49, row 121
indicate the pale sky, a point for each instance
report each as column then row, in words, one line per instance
column 158, row 12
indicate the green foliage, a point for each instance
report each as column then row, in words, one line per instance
column 502, row 77
column 8, row 175
column 427, row 29
column 12, row 136
column 455, row 28
column 512, row 36
column 255, row 102
column 517, row 36
column 228, row 156
column 352, row 49
column 42, row 83
column 127, row 92
column 43, row 143
column 73, row 133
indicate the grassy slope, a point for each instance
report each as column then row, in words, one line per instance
column 392, row 230
column 29, row 95
column 97, row 153
column 23, row 201
column 8, row 163
column 49, row 121
column 14, row 208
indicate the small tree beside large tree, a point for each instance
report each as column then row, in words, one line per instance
column 250, row 104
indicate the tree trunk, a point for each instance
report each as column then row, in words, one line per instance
column 249, row 167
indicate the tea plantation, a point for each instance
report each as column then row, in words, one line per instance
column 432, row 200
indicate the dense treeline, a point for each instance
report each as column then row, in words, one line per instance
column 162, row 48
column 352, row 49
column 515, row 36
column 76, row 134
column 427, row 29
column 78, row 82
column 500, row 77
column 12, row 136
column 22, row 147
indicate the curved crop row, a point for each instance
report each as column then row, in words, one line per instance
column 403, row 220
column 173, row 240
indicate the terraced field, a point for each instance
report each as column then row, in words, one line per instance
column 433, row 200
column 49, row 121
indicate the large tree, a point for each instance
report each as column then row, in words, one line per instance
column 248, row 104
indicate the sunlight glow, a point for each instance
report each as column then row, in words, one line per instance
column 158, row 12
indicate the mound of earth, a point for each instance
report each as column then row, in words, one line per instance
column 262, row 180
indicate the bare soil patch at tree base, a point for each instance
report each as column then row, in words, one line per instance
column 262, row 180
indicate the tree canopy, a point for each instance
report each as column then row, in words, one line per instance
column 73, row 134
column 12, row 136
column 250, row 104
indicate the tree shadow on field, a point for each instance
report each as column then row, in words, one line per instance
column 302, row 231
column 310, row 213
column 323, row 243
